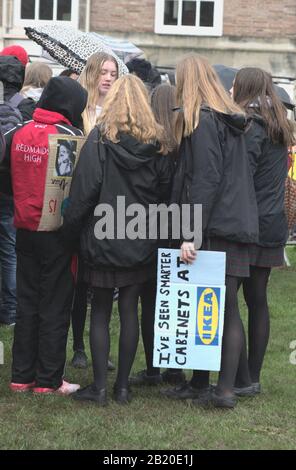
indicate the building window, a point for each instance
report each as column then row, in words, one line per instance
column 191, row 17
column 42, row 11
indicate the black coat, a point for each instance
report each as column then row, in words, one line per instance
column 269, row 165
column 12, row 73
column 105, row 171
column 213, row 170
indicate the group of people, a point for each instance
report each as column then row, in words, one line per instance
column 196, row 143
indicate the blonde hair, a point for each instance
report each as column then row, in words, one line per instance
column 197, row 84
column 89, row 80
column 126, row 109
column 37, row 75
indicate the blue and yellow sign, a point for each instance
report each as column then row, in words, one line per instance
column 207, row 318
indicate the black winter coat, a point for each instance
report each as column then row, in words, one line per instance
column 104, row 172
column 213, row 170
column 12, row 73
column 269, row 166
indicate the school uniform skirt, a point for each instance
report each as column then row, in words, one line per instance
column 109, row 279
column 265, row 257
column 237, row 255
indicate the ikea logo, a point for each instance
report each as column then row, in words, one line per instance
column 207, row 322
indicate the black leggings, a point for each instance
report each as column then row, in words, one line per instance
column 79, row 315
column 233, row 336
column 100, row 336
column 255, row 293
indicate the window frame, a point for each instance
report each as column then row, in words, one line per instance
column 215, row 30
column 33, row 22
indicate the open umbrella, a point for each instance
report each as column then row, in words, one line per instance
column 71, row 47
column 124, row 49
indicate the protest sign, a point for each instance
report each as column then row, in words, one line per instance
column 64, row 151
column 189, row 314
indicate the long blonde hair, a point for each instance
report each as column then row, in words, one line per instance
column 89, row 80
column 126, row 109
column 37, row 75
column 197, row 84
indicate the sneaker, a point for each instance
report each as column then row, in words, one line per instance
column 141, row 378
column 79, row 360
column 121, row 395
column 65, row 389
column 173, row 378
column 244, row 391
column 181, row 392
column 14, row 387
column 91, row 393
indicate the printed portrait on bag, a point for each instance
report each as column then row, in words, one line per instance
column 65, row 158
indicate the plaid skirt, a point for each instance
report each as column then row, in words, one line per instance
column 237, row 255
column 109, row 279
column 264, row 257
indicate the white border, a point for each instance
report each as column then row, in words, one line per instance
column 19, row 22
column 216, row 30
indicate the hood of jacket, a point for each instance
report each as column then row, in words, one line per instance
column 12, row 73
column 49, row 117
column 237, row 123
column 130, row 154
column 65, row 96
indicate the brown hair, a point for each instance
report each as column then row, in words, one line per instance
column 163, row 101
column 37, row 75
column 253, row 89
column 126, row 109
column 89, row 80
column 197, row 84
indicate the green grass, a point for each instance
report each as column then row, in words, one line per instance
column 152, row 422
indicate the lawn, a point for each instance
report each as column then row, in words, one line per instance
column 151, row 422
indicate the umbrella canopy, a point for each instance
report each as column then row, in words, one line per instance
column 124, row 49
column 71, row 47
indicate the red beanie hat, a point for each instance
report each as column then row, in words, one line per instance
column 18, row 52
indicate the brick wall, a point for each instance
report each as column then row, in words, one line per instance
column 122, row 15
column 260, row 18
column 251, row 18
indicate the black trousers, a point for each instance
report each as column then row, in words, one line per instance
column 44, row 298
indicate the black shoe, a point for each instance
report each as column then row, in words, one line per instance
column 79, row 360
column 173, row 378
column 220, row 401
column 181, row 392
column 141, row 378
column 111, row 366
column 121, row 395
column 204, row 397
column 91, row 393
column 244, row 391
column 256, row 387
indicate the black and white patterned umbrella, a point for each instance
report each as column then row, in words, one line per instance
column 71, row 47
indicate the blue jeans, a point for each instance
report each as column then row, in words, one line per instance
column 7, row 261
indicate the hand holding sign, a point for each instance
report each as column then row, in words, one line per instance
column 188, row 252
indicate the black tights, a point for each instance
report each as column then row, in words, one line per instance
column 255, row 293
column 233, row 335
column 100, row 336
column 148, row 298
column 79, row 315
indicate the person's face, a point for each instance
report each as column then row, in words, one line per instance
column 107, row 77
column 74, row 76
column 64, row 161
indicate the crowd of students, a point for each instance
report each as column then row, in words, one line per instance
column 196, row 143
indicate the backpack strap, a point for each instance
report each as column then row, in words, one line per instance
column 16, row 100
column 69, row 130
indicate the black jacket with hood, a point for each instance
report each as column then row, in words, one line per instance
column 269, row 164
column 12, row 74
column 213, row 170
column 105, row 171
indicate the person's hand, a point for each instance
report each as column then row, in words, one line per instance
column 188, row 252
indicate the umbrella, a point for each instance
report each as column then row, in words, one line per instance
column 71, row 47
column 124, row 49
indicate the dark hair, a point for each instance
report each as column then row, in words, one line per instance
column 163, row 100
column 67, row 73
column 143, row 69
column 71, row 149
column 254, row 91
